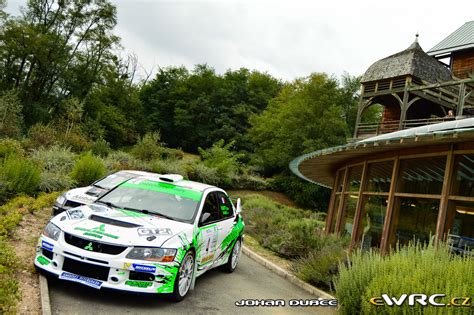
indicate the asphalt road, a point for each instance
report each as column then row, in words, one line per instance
column 215, row 293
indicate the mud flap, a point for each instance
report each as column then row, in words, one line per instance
column 193, row 281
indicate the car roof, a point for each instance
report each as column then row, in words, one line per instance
column 181, row 183
column 137, row 173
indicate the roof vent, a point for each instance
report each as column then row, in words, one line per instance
column 171, row 178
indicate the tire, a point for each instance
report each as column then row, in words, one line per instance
column 185, row 273
column 234, row 256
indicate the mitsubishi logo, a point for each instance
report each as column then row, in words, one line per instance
column 89, row 246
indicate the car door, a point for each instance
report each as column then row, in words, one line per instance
column 208, row 233
column 224, row 227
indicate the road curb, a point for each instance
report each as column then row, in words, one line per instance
column 44, row 295
column 285, row 274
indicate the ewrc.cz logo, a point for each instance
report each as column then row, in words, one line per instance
column 420, row 299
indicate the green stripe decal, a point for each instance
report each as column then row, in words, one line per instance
column 166, row 189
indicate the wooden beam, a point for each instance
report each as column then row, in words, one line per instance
column 330, row 215
column 358, row 212
column 462, row 91
column 434, row 99
column 342, row 201
column 384, row 242
column 437, row 85
column 443, row 204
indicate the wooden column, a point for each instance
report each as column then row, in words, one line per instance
column 358, row 213
column 404, row 104
column 443, row 204
column 385, row 241
column 330, row 215
column 342, row 201
column 462, row 92
column 360, row 110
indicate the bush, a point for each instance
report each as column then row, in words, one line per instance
column 10, row 147
column 88, row 169
column 19, row 175
column 119, row 160
column 41, row 135
column 170, row 153
column 250, row 182
column 11, row 117
column 75, row 140
column 55, row 159
column 199, row 172
column 223, row 159
column 9, row 289
column 320, row 266
column 169, row 167
column 100, row 147
column 148, row 147
column 411, row 269
column 51, row 181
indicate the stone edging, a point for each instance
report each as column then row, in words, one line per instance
column 44, row 295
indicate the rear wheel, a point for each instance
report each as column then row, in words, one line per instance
column 184, row 277
column 234, row 256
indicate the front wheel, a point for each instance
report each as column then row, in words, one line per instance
column 234, row 256
column 184, row 277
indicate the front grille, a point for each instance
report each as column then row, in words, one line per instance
column 86, row 270
column 143, row 276
column 93, row 245
column 72, row 204
column 47, row 253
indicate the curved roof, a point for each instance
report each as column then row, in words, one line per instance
column 411, row 61
column 460, row 39
column 318, row 167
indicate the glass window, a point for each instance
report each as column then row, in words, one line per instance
column 379, row 176
column 375, row 209
column 349, row 211
column 422, row 175
column 210, row 206
column 464, row 176
column 355, row 174
column 415, row 219
column 225, row 207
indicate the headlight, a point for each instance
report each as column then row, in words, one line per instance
column 60, row 200
column 52, row 231
column 152, row 254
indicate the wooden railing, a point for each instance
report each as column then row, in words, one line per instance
column 365, row 130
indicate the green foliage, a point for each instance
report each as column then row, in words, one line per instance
column 221, row 157
column 303, row 193
column 41, row 135
column 199, row 172
column 11, row 116
column 304, row 117
column 100, row 147
column 148, row 147
column 119, row 160
column 50, row 181
column 56, row 159
column 88, row 169
column 414, row 268
column 9, row 288
column 169, row 166
column 19, row 175
column 10, row 146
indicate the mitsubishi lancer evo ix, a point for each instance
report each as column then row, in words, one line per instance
column 149, row 234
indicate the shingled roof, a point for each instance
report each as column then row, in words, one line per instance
column 460, row 39
column 411, row 61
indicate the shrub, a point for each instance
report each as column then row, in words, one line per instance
column 223, row 159
column 250, row 182
column 414, row 268
column 10, row 147
column 51, row 181
column 170, row 153
column 19, row 175
column 56, row 159
column 11, row 117
column 119, row 160
column 168, row 167
column 148, row 147
column 41, row 135
column 88, row 169
column 75, row 140
column 9, row 289
column 320, row 266
column 100, row 147
column 199, row 172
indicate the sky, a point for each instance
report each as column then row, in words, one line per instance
column 287, row 39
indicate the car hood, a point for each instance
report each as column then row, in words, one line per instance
column 118, row 226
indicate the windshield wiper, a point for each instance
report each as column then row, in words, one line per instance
column 107, row 203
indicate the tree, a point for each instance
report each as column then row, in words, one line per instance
column 11, row 117
column 304, row 117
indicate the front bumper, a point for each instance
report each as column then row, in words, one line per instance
column 99, row 270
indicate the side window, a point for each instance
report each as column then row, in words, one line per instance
column 225, row 207
column 210, row 206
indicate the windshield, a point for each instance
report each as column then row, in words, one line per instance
column 113, row 180
column 169, row 200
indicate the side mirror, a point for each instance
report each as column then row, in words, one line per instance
column 204, row 217
column 239, row 206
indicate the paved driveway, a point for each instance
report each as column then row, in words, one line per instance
column 215, row 293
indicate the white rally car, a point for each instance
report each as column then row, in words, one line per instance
column 86, row 195
column 150, row 235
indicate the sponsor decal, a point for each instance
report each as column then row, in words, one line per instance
column 144, row 268
column 127, row 265
column 82, row 198
column 155, row 231
column 43, row 260
column 96, row 284
column 96, row 232
column 139, row 284
column 47, row 246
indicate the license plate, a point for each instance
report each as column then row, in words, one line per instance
column 96, row 284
